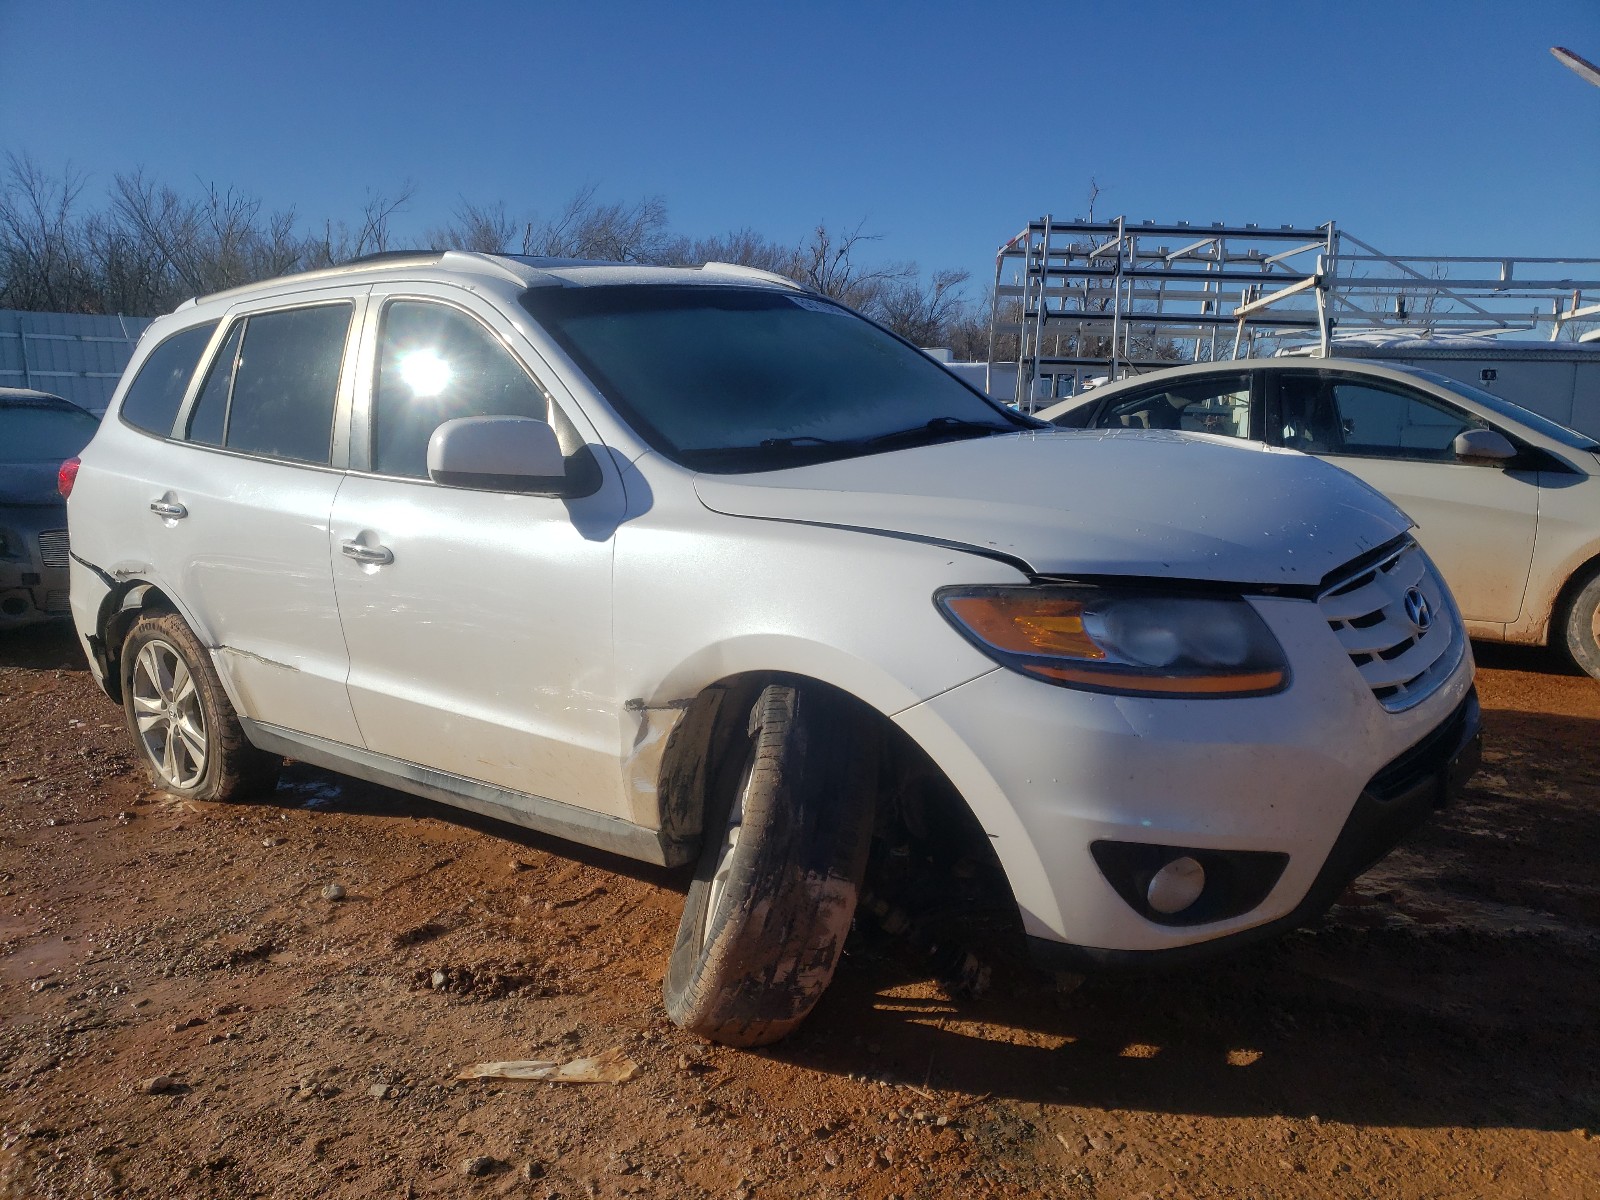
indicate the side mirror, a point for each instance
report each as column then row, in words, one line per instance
column 498, row 454
column 1484, row 446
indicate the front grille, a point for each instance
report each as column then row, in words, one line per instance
column 1366, row 610
column 53, row 547
column 58, row 601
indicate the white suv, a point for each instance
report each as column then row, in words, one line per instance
column 695, row 566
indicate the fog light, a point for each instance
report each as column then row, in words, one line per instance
column 1176, row 886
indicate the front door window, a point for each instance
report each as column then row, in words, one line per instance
column 1367, row 419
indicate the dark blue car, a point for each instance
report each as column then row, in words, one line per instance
column 38, row 432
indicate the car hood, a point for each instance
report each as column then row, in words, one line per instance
column 1171, row 505
column 29, row 483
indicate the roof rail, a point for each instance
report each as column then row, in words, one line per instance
column 744, row 272
column 491, row 264
column 386, row 256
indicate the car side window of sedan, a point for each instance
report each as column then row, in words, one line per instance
column 1368, row 419
column 1217, row 404
column 436, row 363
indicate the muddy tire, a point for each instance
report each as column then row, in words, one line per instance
column 182, row 725
column 787, row 832
column 1581, row 626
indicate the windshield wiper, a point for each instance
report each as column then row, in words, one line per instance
column 789, row 443
column 807, row 447
column 939, row 427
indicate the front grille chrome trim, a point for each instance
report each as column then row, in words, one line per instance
column 1402, row 662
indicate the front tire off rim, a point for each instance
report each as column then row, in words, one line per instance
column 718, row 888
column 170, row 720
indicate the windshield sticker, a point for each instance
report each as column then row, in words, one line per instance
column 817, row 305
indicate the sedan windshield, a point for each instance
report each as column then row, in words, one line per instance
column 40, row 433
column 730, row 379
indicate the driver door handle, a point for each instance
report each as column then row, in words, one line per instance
column 170, row 510
column 380, row 556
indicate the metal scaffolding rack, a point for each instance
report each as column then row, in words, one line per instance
column 1080, row 299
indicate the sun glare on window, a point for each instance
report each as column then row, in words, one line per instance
column 424, row 372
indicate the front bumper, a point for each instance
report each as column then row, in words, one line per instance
column 1053, row 773
column 1395, row 801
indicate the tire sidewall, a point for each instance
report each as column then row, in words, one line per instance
column 694, row 941
column 794, row 876
column 1581, row 643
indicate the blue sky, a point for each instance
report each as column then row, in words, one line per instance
column 1423, row 127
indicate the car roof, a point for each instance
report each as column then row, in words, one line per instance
column 519, row 269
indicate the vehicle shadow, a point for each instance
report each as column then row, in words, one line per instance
column 50, row 646
column 1370, row 1028
column 1454, row 985
column 1394, row 1010
column 302, row 786
column 1539, row 660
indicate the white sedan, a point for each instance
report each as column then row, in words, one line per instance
column 1506, row 502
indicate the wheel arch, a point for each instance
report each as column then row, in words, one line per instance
column 1576, row 581
column 711, row 718
column 119, row 609
column 1561, row 610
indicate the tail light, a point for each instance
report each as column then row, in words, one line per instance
column 67, row 476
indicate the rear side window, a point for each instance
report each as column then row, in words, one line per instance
column 152, row 399
column 271, row 391
column 436, row 364
column 1212, row 405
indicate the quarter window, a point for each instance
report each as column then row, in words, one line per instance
column 152, row 400
column 436, row 363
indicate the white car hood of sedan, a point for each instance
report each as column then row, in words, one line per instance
column 1069, row 502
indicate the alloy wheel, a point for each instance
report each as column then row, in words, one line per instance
column 170, row 721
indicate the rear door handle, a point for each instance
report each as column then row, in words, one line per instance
column 169, row 510
column 380, row 556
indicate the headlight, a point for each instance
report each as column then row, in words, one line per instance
column 1114, row 640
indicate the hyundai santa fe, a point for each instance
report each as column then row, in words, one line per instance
column 690, row 564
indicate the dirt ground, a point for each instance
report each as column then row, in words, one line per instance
column 185, row 1012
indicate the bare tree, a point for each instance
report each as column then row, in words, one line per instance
column 922, row 312
column 41, row 258
column 745, row 247
column 827, row 263
column 611, row 232
column 484, row 228
column 341, row 242
column 151, row 247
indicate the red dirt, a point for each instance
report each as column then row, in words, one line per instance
column 1434, row 1036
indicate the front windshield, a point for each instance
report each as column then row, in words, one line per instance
column 41, row 433
column 1570, row 438
column 732, row 379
